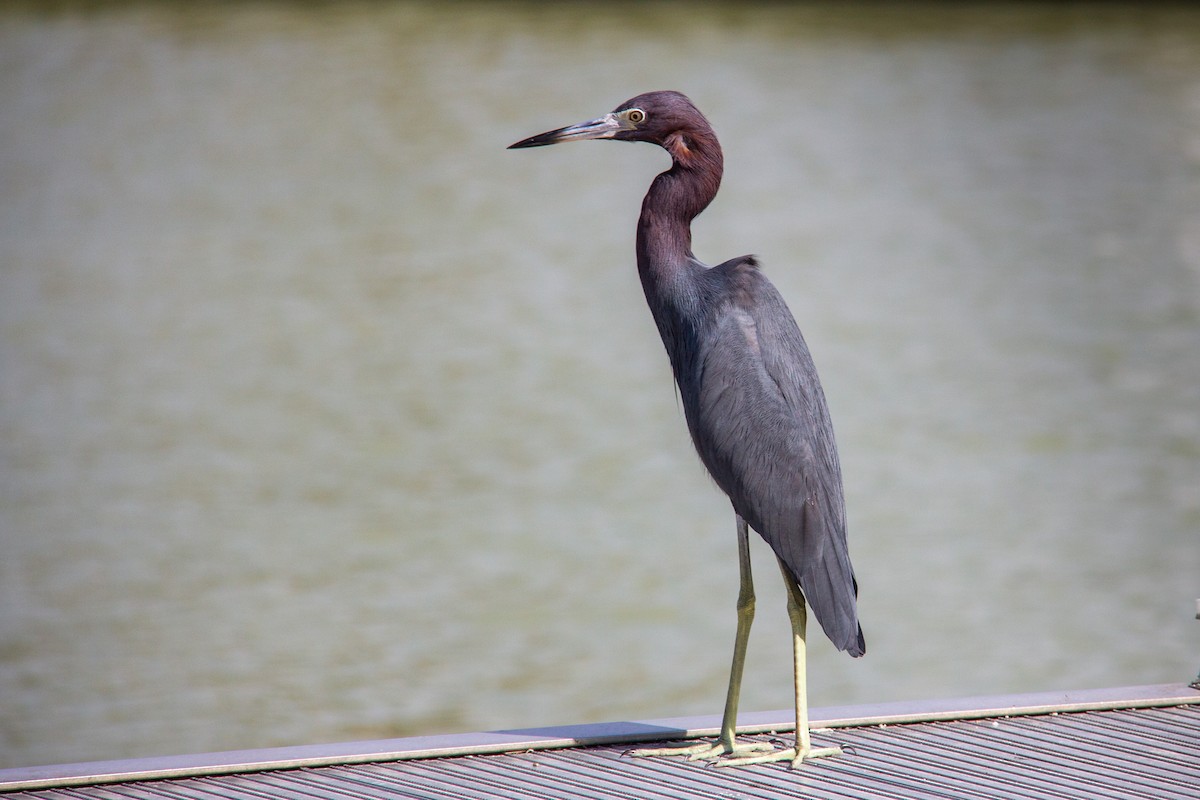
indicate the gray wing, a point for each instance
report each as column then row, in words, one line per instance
column 763, row 430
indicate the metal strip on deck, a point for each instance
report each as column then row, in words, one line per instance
column 1129, row 743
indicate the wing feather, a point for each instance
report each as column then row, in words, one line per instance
column 763, row 430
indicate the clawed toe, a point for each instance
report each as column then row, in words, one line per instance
column 780, row 755
column 689, row 751
column 705, row 751
column 739, row 755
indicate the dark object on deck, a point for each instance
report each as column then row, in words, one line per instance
column 750, row 393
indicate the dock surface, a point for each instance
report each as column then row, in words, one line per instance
column 1139, row 742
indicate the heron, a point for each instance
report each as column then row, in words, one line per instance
column 752, row 402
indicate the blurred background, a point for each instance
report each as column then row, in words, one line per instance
column 324, row 417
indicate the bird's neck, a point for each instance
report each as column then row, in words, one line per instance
column 676, row 197
column 668, row 270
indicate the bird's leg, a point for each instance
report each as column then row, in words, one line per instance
column 803, row 749
column 745, row 616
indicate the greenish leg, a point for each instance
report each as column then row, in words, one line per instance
column 745, row 616
column 803, row 750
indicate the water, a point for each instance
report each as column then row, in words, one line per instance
column 323, row 417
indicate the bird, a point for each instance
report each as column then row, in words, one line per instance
column 752, row 401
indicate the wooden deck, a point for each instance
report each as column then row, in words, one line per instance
column 1140, row 742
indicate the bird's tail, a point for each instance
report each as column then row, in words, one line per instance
column 824, row 587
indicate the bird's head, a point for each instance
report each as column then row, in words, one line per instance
column 667, row 119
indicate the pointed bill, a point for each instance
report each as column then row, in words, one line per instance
column 603, row 128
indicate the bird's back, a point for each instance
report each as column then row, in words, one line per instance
column 759, row 420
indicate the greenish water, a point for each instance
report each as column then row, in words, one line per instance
column 324, row 417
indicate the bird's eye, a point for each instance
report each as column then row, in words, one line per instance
column 635, row 115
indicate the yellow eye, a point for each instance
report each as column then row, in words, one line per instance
column 635, row 115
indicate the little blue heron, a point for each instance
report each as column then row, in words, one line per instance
column 751, row 397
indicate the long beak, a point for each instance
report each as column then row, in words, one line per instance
column 604, row 128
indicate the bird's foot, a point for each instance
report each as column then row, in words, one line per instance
column 705, row 751
column 789, row 754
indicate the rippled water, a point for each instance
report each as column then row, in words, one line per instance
column 324, row 417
